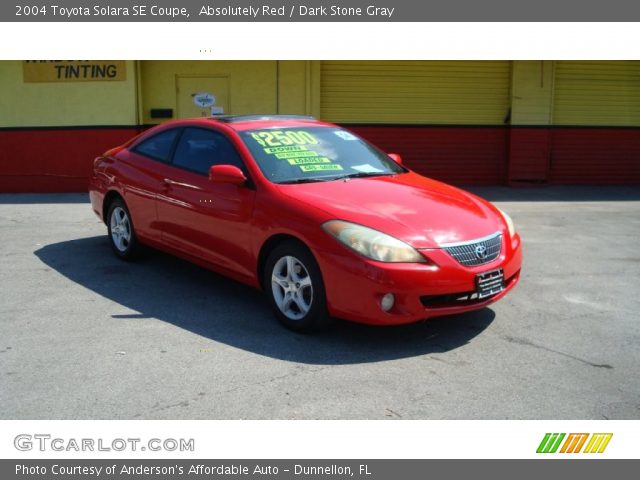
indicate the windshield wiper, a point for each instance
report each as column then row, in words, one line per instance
column 340, row 177
column 306, row 180
column 364, row 174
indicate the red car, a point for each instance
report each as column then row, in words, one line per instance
column 324, row 222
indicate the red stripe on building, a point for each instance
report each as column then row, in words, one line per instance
column 54, row 160
column 60, row 159
column 592, row 156
column 458, row 155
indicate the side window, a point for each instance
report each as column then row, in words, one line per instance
column 159, row 146
column 199, row 148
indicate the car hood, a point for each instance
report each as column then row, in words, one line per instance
column 420, row 211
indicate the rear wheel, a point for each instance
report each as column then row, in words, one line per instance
column 121, row 233
column 293, row 283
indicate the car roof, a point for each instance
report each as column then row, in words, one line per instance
column 256, row 122
column 255, row 118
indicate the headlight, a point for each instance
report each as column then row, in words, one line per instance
column 507, row 218
column 372, row 243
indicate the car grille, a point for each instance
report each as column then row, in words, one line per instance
column 476, row 252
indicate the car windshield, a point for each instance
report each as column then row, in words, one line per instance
column 299, row 155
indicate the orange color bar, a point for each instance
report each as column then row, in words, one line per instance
column 566, row 443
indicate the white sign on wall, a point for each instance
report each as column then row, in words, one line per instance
column 204, row 99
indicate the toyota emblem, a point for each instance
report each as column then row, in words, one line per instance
column 481, row 252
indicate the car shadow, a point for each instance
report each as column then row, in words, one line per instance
column 172, row 290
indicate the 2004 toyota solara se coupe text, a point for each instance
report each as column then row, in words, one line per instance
column 324, row 222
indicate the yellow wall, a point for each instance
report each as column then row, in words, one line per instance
column 299, row 87
column 252, row 84
column 65, row 103
column 429, row 92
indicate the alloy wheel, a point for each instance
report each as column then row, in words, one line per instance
column 120, row 229
column 292, row 287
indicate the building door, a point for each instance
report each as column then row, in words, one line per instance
column 187, row 86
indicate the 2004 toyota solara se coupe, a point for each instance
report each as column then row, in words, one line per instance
column 324, row 222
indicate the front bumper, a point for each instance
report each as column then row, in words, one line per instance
column 355, row 285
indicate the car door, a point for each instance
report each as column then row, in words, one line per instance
column 141, row 174
column 207, row 220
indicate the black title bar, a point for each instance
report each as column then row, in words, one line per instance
column 320, row 11
column 315, row 469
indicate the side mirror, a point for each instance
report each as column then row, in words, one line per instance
column 227, row 174
column 396, row 158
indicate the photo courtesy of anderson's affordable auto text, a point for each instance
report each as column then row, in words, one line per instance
column 321, row 239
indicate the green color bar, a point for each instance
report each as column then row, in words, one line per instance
column 550, row 443
column 558, row 442
column 543, row 443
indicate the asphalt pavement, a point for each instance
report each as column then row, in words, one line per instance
column 84, row 335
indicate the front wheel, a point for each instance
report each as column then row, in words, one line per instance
column 293, row 283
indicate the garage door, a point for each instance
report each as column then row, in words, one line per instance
column 596, row 115
column 445, row 118
column 415, row 92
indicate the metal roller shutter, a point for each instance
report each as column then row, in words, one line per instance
column 429, row 92
column 597, row 117
column 604, row 93
column 446, row 118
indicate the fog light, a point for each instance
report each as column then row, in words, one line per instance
column 387, row 302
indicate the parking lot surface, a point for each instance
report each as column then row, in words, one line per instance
column 84, row 335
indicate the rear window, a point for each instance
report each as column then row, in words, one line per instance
column 159, row 146
column 199, row 149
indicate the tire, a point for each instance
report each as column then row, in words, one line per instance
column 293, row 283
column 121, row 232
